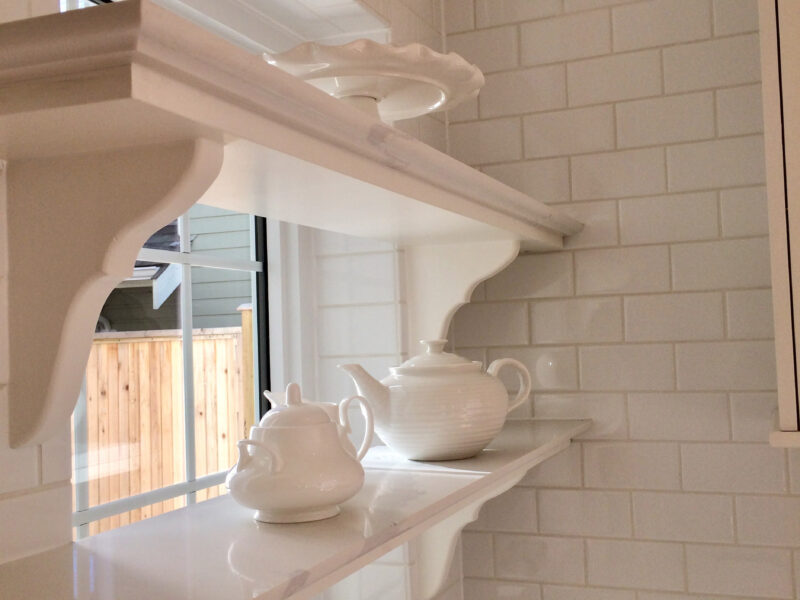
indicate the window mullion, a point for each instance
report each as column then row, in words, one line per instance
column 81, row 458
column 185, row 309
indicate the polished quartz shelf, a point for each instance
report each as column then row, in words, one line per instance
column 215, row 550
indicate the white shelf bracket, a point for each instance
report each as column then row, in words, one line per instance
column 75, row 225
column 441, row 277
column 436, row 547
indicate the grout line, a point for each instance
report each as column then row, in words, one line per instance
column 658, row 146
column 635, row 99
column 685, row 565
column 730, row 417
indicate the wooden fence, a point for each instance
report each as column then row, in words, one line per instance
column 135, row 414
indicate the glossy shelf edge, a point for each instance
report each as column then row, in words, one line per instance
column 215, row 550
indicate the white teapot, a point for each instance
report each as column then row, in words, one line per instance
column 439, row 406
column 298, row 464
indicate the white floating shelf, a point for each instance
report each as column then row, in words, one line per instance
column 215, row 550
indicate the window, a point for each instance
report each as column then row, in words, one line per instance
column 171, row 383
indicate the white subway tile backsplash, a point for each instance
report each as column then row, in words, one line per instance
column 562, row 592
column 663, row 218
column 627, row 367
column 674, row 317
column 19, row 468
column 546, row 180
column 491, row 324
column 564, row 470
column 568, row 132
column 466, row 111
column 739, row 110
column 480, row 142
column 665, row 120
column 499, row 12
column 720, row 163
column 35, row 522
column 735, row 16
column 768, row 520
column 482, row 589
column 739, row 571
column 600, row 224
column 721, row 265
column 491, row 49
column 477, row 553
column 660, row 22
column 726, row 366
column 551, row 367
column 577, row 5
column 684, row 169
column 622, row 270
column 539, row 558
column 585, row 513
column 57, row 457
column 614, row 78
column 744, row 211
column 432, row 131
column 533, row 276
column 459, row 15
column 607, row 412
column 356, row 278
column 715, row 63
column 629, row 465
column 352, row 330
column 753, row 416
column 327, row 243
column 678, row 416
column 524, row 91
column 749, row 314
column 555, row 40
column 580, row 320
column 618, row 174
column 640, row 565
column 683, row 517
column 513, row 511
column 743, row 468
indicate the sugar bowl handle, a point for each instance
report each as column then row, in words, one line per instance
column 275, row 464
column 369, row 429
column 524, row 379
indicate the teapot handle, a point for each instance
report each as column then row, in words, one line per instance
column 275, row 464
column 369, row 431
column 524, row 379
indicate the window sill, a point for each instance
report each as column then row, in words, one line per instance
column 216, row 550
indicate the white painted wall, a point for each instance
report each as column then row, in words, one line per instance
column 643, row 119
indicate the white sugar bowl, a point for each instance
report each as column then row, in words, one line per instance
column 296, row 465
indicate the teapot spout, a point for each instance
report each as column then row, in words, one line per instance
column 373, row 390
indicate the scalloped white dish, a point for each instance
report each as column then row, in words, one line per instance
column 403, row 81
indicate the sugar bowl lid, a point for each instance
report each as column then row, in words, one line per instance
column 435, row 359
column 293, row 412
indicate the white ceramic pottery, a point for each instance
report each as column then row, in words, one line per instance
column 298, row 464
column 392, row 82
column 439, row 406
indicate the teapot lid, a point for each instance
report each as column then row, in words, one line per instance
column 435, row 358
column 293, row 412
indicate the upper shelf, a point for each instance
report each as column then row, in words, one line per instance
column 133, row 73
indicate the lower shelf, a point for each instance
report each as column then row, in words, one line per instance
column 215, row 550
